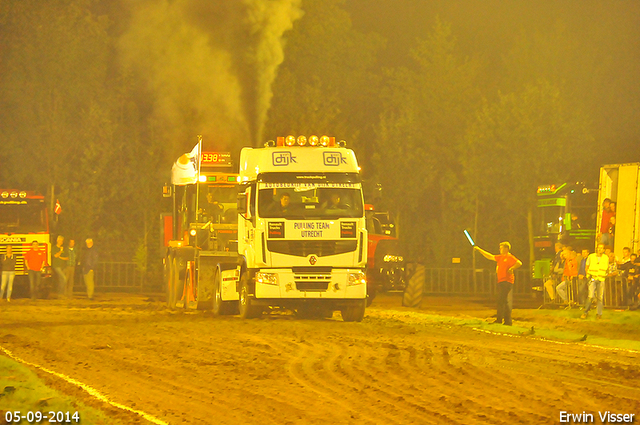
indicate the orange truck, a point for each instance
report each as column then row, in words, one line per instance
column 23, row 220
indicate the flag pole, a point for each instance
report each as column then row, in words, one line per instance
column 198, row 174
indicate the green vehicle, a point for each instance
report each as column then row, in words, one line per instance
column 565, row 213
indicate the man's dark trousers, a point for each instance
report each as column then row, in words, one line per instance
column 504, row 309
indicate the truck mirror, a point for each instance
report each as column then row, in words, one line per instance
column 242, row 204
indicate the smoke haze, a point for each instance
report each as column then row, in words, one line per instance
column 208, row 65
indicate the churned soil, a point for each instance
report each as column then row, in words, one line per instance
column 395, row 367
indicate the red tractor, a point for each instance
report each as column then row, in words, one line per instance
column 385, row 265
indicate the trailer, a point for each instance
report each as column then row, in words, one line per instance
column 621, row 183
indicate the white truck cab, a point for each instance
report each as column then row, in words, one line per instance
column 302, row 239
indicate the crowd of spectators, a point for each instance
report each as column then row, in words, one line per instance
column 571, row 278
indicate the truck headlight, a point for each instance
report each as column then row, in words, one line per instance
column 356, row 279
column 267, row 278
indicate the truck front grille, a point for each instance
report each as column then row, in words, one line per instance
column 306, row 248
column 312, row 281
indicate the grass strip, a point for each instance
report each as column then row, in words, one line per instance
column 541, row 329
column 21, row 390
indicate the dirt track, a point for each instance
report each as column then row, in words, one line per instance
column 392, row 368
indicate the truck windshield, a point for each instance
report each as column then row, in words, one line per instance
column 22, row 218
column 310, row 200
column 549, row 219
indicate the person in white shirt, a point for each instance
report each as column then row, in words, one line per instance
column 597, row 267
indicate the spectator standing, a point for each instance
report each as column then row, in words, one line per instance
column 557, row 268
column 89, row 263
column 626, row 256
column 36, row 259
column 626, row 269
column 506, row 264
column 8, row 272
column 597, row 267
column 605, row 222
column 612, row 223
column 582, row 276
column 70, row 271
column 612, row 271
column 633, row 279
column 569, row 274
column 59, row 263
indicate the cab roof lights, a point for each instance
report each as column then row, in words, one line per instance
column 13, row 193
column 218, row 178
column 550, row 188
column 313, row 140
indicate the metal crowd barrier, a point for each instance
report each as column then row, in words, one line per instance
column 450, row 281
column 616, row 293
column 113, row 276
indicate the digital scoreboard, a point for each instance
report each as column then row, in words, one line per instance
column 216, row 159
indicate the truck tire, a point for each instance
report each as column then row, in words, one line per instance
column 372, row 291
column 168, row 279
column 247, row 309
column 354, row 312
column 177, row 285
column 205, row 291
column 220, row 308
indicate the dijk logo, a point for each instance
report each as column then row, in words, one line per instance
column 283, row 158
column 333, row 159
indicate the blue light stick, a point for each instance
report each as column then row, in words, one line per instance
column 469, row 237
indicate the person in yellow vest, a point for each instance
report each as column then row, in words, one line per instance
column 597, row 266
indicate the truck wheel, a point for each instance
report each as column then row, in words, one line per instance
column 246, row 307
column 371, row 293
column 220, row 308
column 168, row 278
column 354, row 312
column 177, row 286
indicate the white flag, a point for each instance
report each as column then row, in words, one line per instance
column 185, row 169
column 195, row 152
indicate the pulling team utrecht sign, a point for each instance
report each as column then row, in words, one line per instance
column 310, row 229
column 314, row 229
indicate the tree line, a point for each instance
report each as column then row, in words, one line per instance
column 453, row 147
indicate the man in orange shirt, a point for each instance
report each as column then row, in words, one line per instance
column 506, row 264
column 570, row 272
column 36, row 259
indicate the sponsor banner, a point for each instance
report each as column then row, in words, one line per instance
column 348, row 229
column 276, row 229
column 311, row 229
column 13, row 202
column 329, row 158
column 309, row 186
